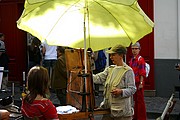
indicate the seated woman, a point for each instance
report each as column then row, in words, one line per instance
column 36, row 104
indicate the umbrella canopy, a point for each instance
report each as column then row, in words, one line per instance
column 97, row 24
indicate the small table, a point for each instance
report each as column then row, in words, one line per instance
column 83, row 115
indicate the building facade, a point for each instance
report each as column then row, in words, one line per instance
column 167, row 46
column 161, row 48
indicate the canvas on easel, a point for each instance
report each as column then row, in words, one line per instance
column 1, row 75
column 78, row 85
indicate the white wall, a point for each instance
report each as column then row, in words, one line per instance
column 166, row 27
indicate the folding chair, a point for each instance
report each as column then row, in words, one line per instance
column 168, row 109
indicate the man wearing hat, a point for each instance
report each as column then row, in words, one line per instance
column 137, row 63
column 119, row 86
column 4, row 60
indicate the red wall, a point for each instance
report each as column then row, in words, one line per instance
column 10, row 11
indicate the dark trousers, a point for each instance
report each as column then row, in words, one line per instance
column 61, row 95
column 49, row 64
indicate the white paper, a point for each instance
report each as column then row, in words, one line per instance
column 66, row 109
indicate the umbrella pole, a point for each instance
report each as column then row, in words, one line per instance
column 85, row 57
column 84, row 97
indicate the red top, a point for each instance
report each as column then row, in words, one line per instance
column 138, row 66
column 43, row 109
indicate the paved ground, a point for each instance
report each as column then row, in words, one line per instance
column 154, row 105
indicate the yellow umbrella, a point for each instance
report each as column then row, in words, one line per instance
column 97, row 24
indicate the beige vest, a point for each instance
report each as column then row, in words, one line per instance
column 119, row 106
column 113, row 80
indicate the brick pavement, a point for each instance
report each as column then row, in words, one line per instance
column 154, row 105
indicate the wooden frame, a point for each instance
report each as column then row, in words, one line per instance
column 80, row 93
column 83, row 115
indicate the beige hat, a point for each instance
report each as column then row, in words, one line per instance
column 117, row 49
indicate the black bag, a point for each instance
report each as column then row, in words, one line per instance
column 6, row 101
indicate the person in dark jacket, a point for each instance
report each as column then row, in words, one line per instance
column 2, row 37
column 35, row 57
column 59, row 76
column 4, row 60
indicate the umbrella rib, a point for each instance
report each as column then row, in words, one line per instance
column 34, row 2
column 111, row 15
column 120, row 3
column 33, row 9
column 61, row 17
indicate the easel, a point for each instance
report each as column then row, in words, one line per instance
column 80, row 92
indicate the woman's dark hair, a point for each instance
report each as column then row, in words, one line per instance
column 61, row 49
column 90, row 50
column 37, row 83
column 36, row 42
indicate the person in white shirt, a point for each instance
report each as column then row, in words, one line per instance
column 49, row 56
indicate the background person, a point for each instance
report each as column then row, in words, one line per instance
column 100, row 64
column 4, row 60
column 59, row 76
column 91, row 55
column 35, row 57
column 2, row 37
column 36, row 104
column 119, row 86
column 137, row 63
column 49, row 56
column 100, row 61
